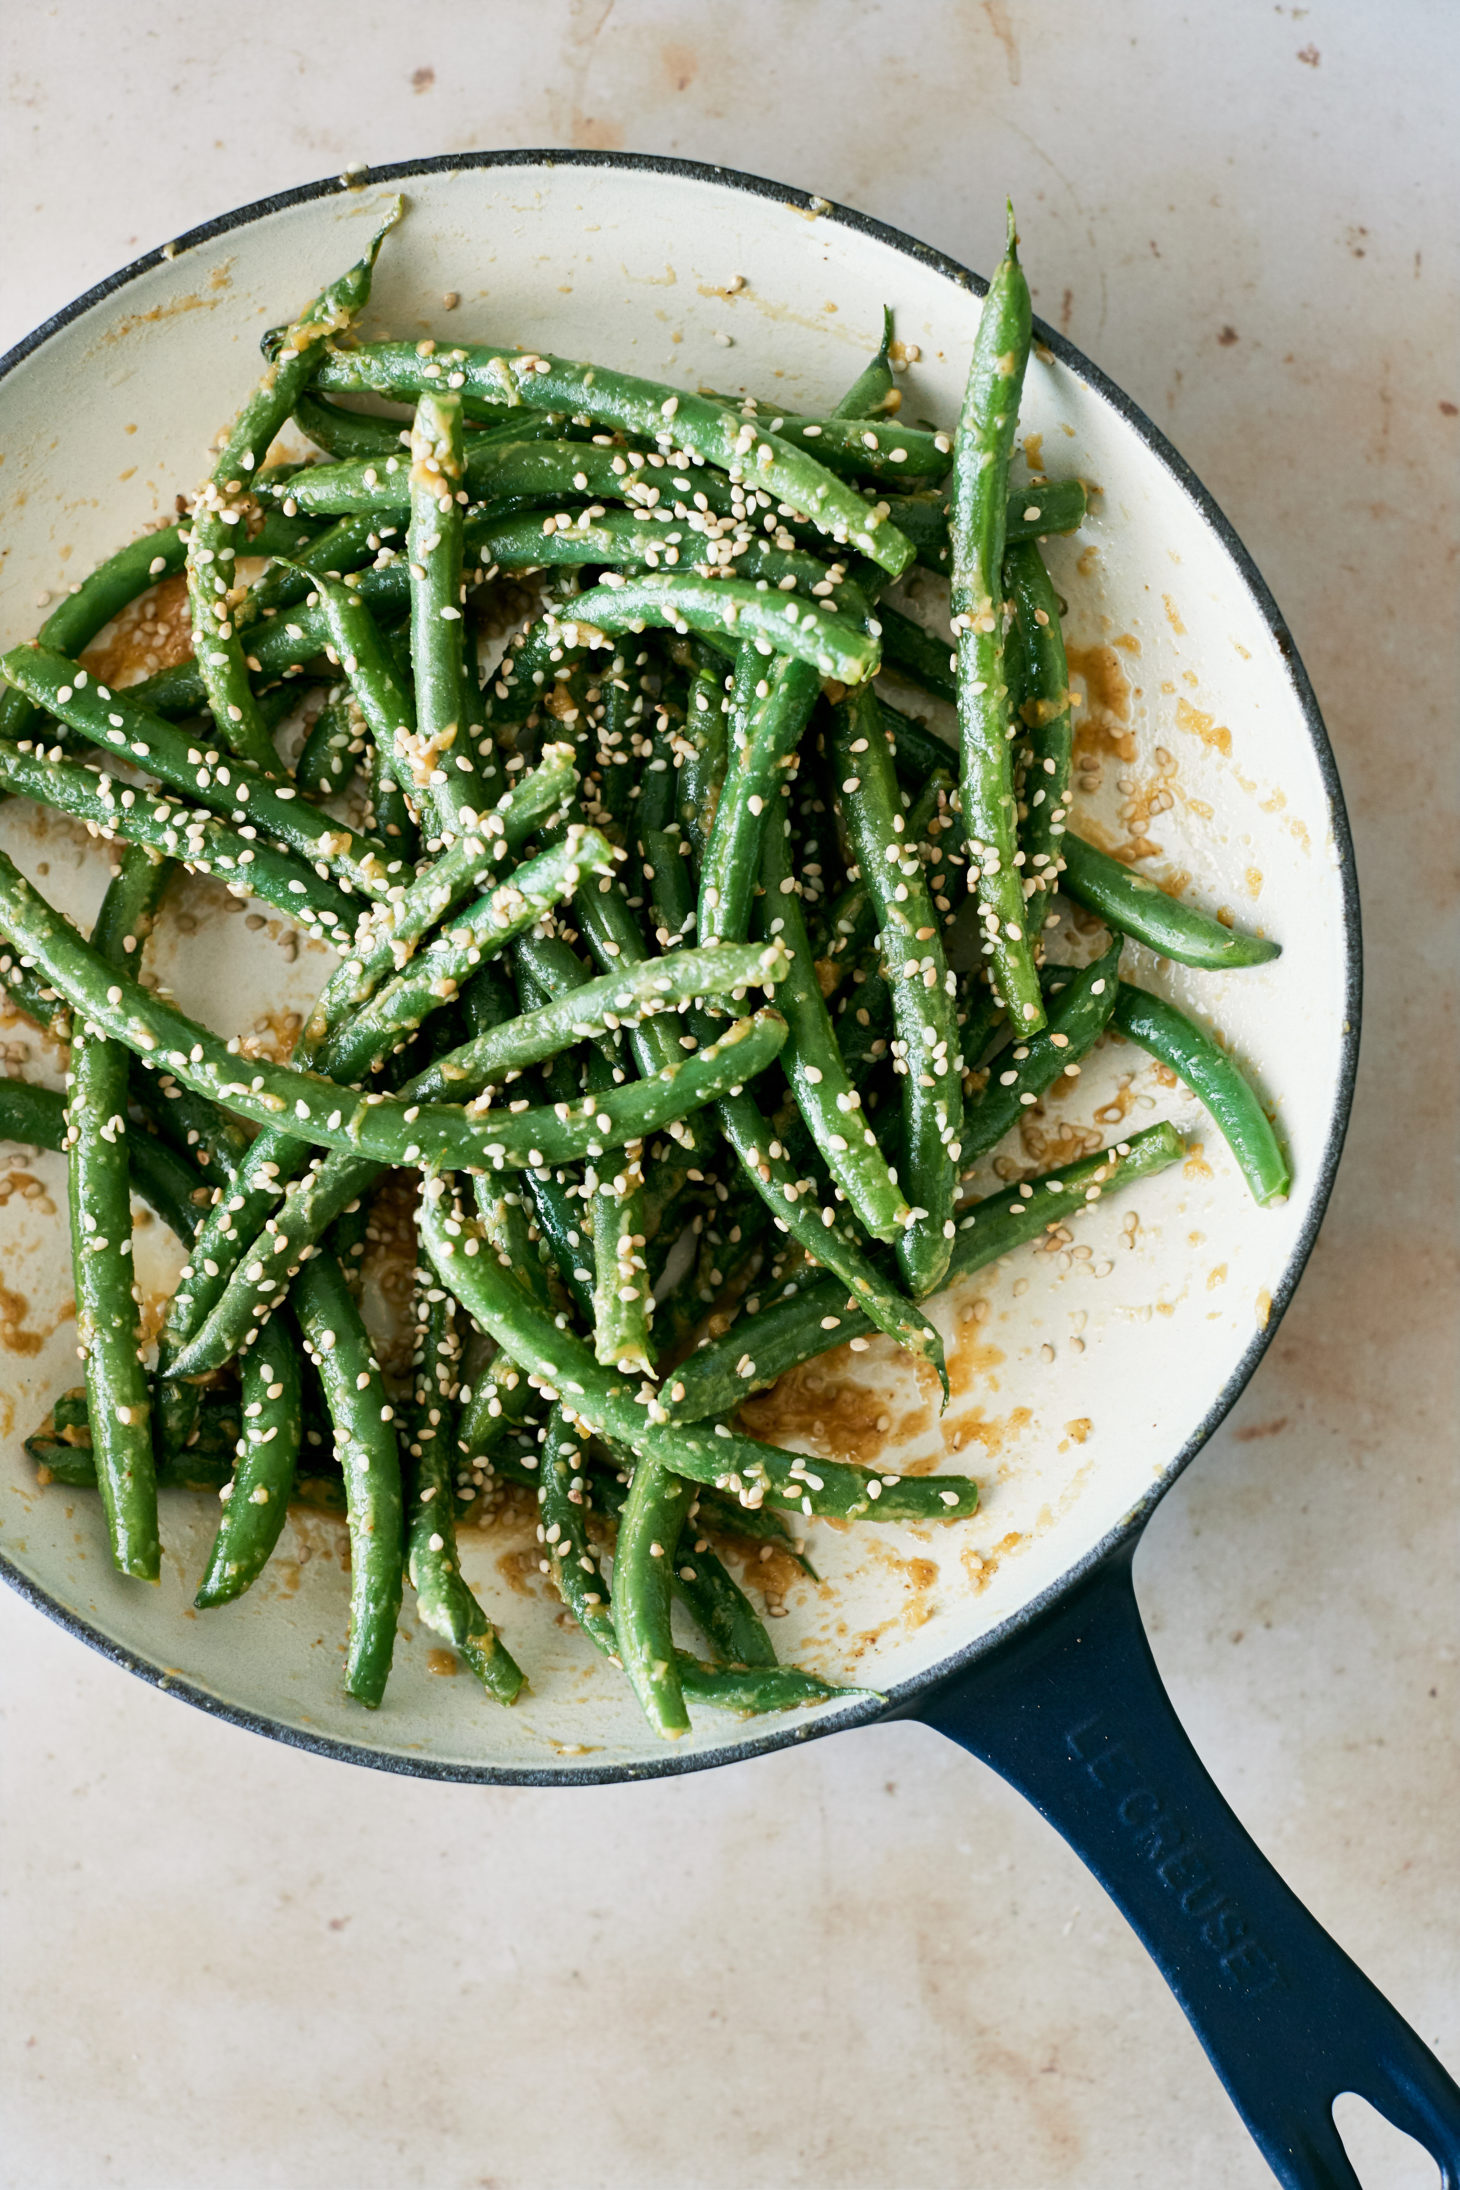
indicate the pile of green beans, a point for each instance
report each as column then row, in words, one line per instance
column 647, row 971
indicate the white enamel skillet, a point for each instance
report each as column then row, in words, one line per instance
column 1085, row 1381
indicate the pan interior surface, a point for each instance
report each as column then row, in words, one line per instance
column 1084, row 1375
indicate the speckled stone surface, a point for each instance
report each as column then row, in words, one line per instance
column 866, row 1964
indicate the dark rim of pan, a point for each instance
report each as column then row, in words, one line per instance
column 903, row 1698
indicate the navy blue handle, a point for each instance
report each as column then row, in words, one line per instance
column 1072, row 1712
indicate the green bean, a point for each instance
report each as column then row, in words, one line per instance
column 29, row 992
column 245, row 1201
column 375, row 481
column 756, row 1524
column 388, row 809
column 755, row 771
column 443, row 1598
column 711, row 1595
column 503, row 1400
column 1216, row 1079
column 567, row 1554
column 703, row 1585
column 169, row 1185
column 852, row 920
column 205, row 1466
column 108, row 1331
column 748, row 1690
column 393, row 933
column 116, row 810
column 1055, row 505
column 616, row 940
column 1042, row 706
column 257, row 1500
column 568, row 1246
column 1021, row 1076
column 773, row 622
column 825, row 1095
column 621, row 712
column 564, row 1132
column 665, row 869
column 643, row 1562
column 531, row 662
column 729, row 1246
column 622, row 1301
column 88, row 608
column 865, row 1024
column 379, row 682
column 719, row 1605
column 873, row 391
column 332, row 552
column 335, row 742
column 976, row 511
column 474, row 933
column 917, row 654
column 794, row 1207
column 817, row 1317
column 923, row 990
column 443, row 748
column 352, row 1049
column 71, row 627
column 917, row 750
column 505, row 1220
column 1142, row 910
column 324, row 1113
column 365, row 1445
column 706, row 429
column 860, row 448
column 620, row 539
column 563, row 1364
column 116, row 723
column 702, row 771
column 352, row 435
column 550, row 1133
column 277, row 1156
column 348, row 1239
column 619, row 1302
column 218, row 510
column 280, row 645
column 36, row 1117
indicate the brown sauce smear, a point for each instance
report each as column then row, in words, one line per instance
column 811, row 1405
column 151, row 633
column 16, row 1337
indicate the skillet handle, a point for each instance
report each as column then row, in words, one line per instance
column 1072, row 1712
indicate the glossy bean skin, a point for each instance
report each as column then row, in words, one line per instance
column 1216, row 1077
column 817, row 1318
column 99, row 1192
column 698, row 424
column 603, row 1402
column 1019, row 1076
column 1142, row 910
column 118, row 723
column 923, row 989
column 433, row 1560
column 218, row 526
column 336, row 1341
column 978, row 501
column 650, row 1523
column 1041, row 694
column 268, row 1457
column 825, row 1095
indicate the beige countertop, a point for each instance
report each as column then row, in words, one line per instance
column 865, row 1964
